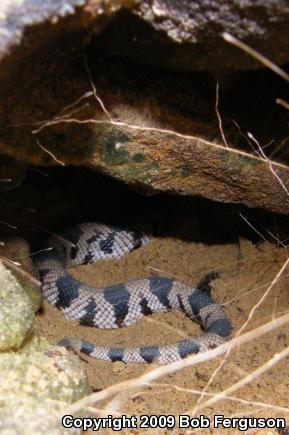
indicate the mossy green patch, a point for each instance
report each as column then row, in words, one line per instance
column 37, row 385
column 114, row 154
column 240, row 160
column 138, row 157
column 132, row 172
column 185, row 170
column 16, row 311
column 142, row 174
column 152, row 166
column 33, row 292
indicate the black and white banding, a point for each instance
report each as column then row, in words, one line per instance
column 124, row 303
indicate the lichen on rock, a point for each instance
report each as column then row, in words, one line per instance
column 37, row 379
column 37, row 384
column 128, row 88
column 16, row 311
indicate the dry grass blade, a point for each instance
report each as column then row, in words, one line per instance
column 251, row 377
column 250, row 316
column 282, row 103
column 219, row 117
column 50, row 153
column 258, row 56
column 13, row 227
column 225, row 397
column 159, row 372
column 18, row 269
column 250, row 135
column 98, row 99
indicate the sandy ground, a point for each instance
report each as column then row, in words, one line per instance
column 246, row 271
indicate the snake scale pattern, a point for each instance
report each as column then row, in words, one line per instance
column 122, row 304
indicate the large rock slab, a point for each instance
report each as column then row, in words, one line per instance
column 38, row 380
column 16, row 312
column 180, row 34
column 161, row 132
column 37, row 385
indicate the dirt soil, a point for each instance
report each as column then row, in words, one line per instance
column 246, row 271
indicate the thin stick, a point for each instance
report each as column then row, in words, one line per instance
column 251, row 314
column 245, row 293
column 50, row 153
column 253, row 228
column 9, row 225
column 158, row 130
column 282, row 103
column 98, row 99
column 219, row 116
column 249, row 378
column 72, row 105
column 232, row 398
column 178, row 365
column 269, row 162
column 258, row 56
column 22, row 272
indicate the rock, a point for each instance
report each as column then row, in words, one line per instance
column 37, row 380
column 181, row 35
column 197, row 25
column 186, row 36
column 37, row 385
column 172, row 142
column 17, row 250
column 189, row 162
column 16, row 312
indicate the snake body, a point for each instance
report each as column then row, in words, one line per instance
column 124, row 303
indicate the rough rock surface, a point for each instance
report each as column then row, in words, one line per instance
column 38, row 381
column 16, row 311
column 186, row 34
column 17, row 249
column 193, row 161
column 37, row 384
column 163, row 26
column 42, row 52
